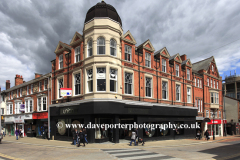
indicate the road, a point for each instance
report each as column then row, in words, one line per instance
column 221, row 150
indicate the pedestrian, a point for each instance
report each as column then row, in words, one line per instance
column 17, row 133
column 207, row 135
column 82, row 138
column 136, row 130
column 22, row 132
column 133, row 138
column 198, row 135
column 3, row 133
column 85, row 133
column 74, row 137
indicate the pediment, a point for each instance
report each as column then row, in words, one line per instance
column 76, row 39
column 128, row 38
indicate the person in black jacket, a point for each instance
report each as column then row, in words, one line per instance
column 82, row 138
column 75, row 134
column 207, row 135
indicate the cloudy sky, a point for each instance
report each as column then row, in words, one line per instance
column 31, row 29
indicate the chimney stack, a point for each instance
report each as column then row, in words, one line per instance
column 7, row 84
column 18, row 80
column 37, row 75
column 183, row 57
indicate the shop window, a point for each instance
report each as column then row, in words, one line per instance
column 164, row 67
column 90, row 80
column 149, row 131
column 61, row 61
column 164, row 131
column 77, row 54
column 177, row 70
column 128, row 83
column 101, row 79
column 164, row 90
column 188, row 94
column 147, row 59
column 148, row 87
column 60, row 85
column 179, row 130
column 113, row 80
column 128, row 53
column 45, row 84
column 177, row 92
column 77, row 85
column 113, row 47
column 89, row 48
column 100, row 45
column 188, row 74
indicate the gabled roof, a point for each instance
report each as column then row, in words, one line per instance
column 163, row 52
column 187, row 62
column 128, row 37
column 147, row 45
column 76, row 38
column 61, row 47
column 176, row 57
column 203, row 64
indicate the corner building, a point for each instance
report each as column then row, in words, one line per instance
column 115, row 81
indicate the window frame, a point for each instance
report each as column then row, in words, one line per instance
column 60, row 61
column 128, row 83
column 127, row 53
column 77, row 51
column 150, row 87
column 147, row 59
column 29, row 106
column 113, row 79
column 178, row 93
column 177, row 70
column 40, row 86
column 74, row 78
column 189, row 94
column 59, row 87
column 101, row 45
column 89, row 80
column 89, row 48
column 164, row 65
column 45, row 84
column 114, row 47
column 105, row 70
column 188, row 74
column 166, row 90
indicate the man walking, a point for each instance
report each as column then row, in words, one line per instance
column 82, row 138
column 17, row 133
column 85, row 134
column 75, row 137
column 133, row 138
column 207, row 135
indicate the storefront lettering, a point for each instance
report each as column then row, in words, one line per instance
column 69, row 111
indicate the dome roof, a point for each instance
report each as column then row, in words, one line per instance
column 103, row 9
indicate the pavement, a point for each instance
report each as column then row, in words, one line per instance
column 124, row 144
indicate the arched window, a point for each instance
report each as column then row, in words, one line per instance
column 113, row 47
column 89, row 48
column 101, row 45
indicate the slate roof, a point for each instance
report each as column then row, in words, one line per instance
column 158, row 51
column 204, row 64
column 172, row 57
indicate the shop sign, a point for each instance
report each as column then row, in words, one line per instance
column 9, row 119
column 22, row 108
column 64, row 111
column 43, row 115
column 224, row 121
column 216, row 121
column 19, row 119
column 66, row 91
column 27, row 116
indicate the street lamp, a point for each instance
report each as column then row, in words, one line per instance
column 67, row 56
column 213, row 125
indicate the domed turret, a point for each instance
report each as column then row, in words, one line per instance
column 103, row 9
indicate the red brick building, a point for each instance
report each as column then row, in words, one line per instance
column 32, row 117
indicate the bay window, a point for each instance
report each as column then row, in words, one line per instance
column 101, row 79
column 148, row 87
column 113, row 80
column 147, row 59
column 177, row 92
column 214, row 98
column 77, row 84
column 77, row 54
column 100, row 45
column 128, row 53
column 164, row 90
column 128, row 83
column 113, row 47
column 89, row 46
column 90, row 80
column 42, row 103
column 164, row 67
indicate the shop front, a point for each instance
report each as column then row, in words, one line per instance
column 41, row 124
column 121, row 113
column 9, row 123
column 19, row 122
column 215, row 127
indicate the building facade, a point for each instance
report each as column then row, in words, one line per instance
column 231, row 87
column 27, row 105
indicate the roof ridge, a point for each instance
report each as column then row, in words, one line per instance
column 203, row 60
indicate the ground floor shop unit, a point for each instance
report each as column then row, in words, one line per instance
column 30, row 124
column 121, row 112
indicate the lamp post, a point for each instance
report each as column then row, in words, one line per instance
column 67, row 56
column 213, row 125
